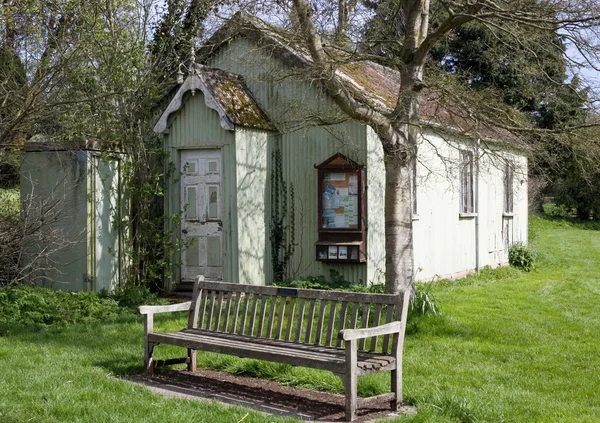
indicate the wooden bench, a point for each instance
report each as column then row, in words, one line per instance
column 351, row 334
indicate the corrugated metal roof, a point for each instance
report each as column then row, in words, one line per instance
column 370, row 83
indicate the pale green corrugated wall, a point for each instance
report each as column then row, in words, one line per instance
column 375, row 209
column 294, row 104
column 252, row 156
column 58, row 179
column 105, row 210
column 196, row 126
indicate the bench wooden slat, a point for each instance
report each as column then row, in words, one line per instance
column 227, row 311
column 354, row 316
column 255, row 300
column 263, row 310
column 331, row 324
column 309, row 321
column 244, row 314
column 386, row 338
column 364, row 324
column 271, row 316
column 202, row 308
column 300, row 320
column 376, row 319
column 290, row 319
column 211, row 306
column 343, row 316
column 218, row 311
column 320, row 321
column 236, row 309
column 282, row 301
column 316, row 294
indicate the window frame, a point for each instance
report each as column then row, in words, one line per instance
column 466, row 180
column 509, row 187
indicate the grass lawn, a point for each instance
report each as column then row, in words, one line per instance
column 508, row 347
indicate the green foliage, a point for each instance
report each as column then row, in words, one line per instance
column 521, row 256
column 133, row 296
column 10, row 244
column 175, row 35
column 336, row 282
column 28, row 305
column 283, row 220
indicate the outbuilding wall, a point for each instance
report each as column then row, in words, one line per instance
column 71, row 205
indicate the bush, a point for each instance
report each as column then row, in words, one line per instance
column 521, row 256
column 28, row 305
column 133, row 296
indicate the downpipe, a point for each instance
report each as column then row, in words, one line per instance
column 477, row 261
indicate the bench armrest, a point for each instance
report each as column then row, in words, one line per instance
column 388, row 328
column 165, row 308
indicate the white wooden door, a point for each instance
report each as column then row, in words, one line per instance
column 201, row 226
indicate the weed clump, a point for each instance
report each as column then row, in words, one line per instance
column 521, row 256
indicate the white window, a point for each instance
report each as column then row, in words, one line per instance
column 467, row 203
column 413, row 187
column 509, row 177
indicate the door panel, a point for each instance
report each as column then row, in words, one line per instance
column 202, row 228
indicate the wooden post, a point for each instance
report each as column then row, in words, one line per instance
column 350, row 379
column 148, row 349
column 396, row 375
column 193, row 321
column 398, row 346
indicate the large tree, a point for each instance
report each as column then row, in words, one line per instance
column 422, row 27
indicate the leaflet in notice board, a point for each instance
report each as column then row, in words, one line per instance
column 340, row 200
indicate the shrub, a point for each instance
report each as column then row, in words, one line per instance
column 522, row 256
column 132, row 296
column 28, row 305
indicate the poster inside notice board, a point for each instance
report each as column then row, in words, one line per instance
column 339, row 193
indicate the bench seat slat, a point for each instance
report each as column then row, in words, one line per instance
column 326, row 358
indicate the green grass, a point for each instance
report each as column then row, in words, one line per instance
column 509, row 346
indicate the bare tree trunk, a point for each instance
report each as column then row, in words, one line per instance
column 398, row 225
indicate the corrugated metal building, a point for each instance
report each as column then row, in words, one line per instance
column 248, row 101
column 72, row 207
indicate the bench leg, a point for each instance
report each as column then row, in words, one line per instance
column 396, row 389
column 191, row 365
column 350, row 380
column 148, row 360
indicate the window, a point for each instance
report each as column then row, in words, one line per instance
column 467, row 203
column 413, row 187
column 508, row 187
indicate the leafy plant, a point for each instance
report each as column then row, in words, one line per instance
column 283, row 233
column 29, row 305
column 423, row 303
column 522, row 256
column 132, row 296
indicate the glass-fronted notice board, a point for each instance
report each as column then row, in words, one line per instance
column 340, row 200
column 341, row 209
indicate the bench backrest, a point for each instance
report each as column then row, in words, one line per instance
column 305, row 316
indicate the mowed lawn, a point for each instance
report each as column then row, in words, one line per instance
column 509, row 346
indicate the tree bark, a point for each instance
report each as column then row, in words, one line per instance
column 398, row 225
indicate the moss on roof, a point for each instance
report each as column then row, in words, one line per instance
column 232, row 94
